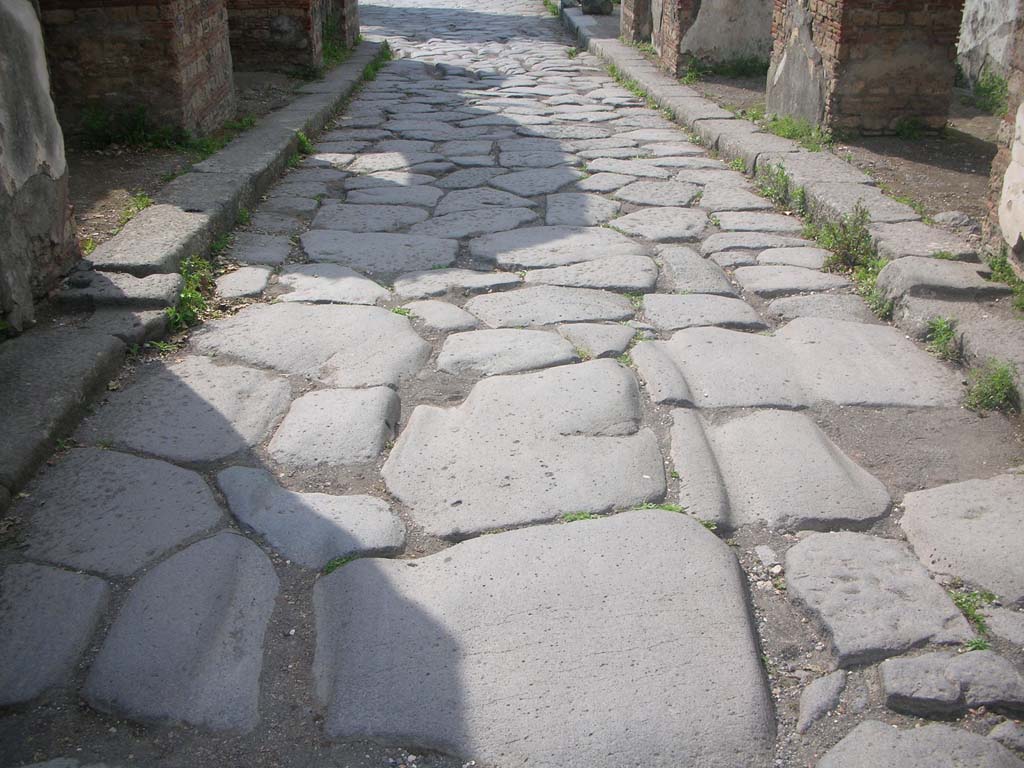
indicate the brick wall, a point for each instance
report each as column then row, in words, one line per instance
column 277, row 34
column 347, row 14
column 169, row 56
column 669, row 26
column 635, row 21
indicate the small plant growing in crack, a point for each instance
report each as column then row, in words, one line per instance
column 977, row 644
column 661, row 505
column 970, row 602
column 636, row 299
column 305, row 145
column 942, row 340
column 572, row 517
column 625, row 359
column 336, row 563
column 403, row 311
column 992, row 388
column 583, row 353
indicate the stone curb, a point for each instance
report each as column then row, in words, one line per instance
column 832, row 186
column 53, row 374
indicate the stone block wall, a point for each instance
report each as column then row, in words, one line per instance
column 986, row 34
column 278, row 34
column 38, row 243
column 171, row 57
column 864, row 65
column 670, row 19
column 345, row 20
column 635, row 21
column 1005, row 221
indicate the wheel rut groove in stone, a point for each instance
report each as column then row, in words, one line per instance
column 592, row 599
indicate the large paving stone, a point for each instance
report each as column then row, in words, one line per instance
column 872, row 597
column 436, row 315
column 335, row 427
column 536, row 182
column 188, row 643
column 945, row 683
column 370, row 162
column 771, row 467
column 390, row 179
column 480, row 198
column 819, row 698
column 810, row 360
column 438, row 282
column 420, row 195
column 367, row 218
column 937, row 278
column 603, row 182
column 808, row 258
column 474, row 223
column 598, row 339
column 192, row 410
column 729, row 197
column 690, row 273
column 344, row 346
column 628, row 168
column 254, row 248
column 46, row 619
column 1007, row 624
column 914, row 238
column 772, row 281
column 670, row 312
column 748, row 221
column 88, row 289
column 491, row 352
column 537, row 247
column 244, row 282
column 973, row 530
column 629, row 272
column 671, row 193
column 527, row 448
column 749, row 241
column 112, row 513
column 311, row 528
column 379, row 253
column 546, row 304
column 549, row 689
column 329, row 284
column 831, row 306
column 665, row 224
column 580, row 209
column 873, row 744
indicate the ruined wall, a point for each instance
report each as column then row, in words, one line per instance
column 669, row 21
column 1005, row 221
column 726, row 30
column 985, row 36
column 37, row 233
column 169, row 56
column 864, row 65
column 278, row 34
column 635, row 21
column 347, row 14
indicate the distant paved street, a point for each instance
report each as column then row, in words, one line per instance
column 506, row 297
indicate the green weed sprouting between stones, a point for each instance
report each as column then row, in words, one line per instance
column 197, row 274
column 572, row 52
column 243, row 217
column 809, row 136
column 774, row 183
column 970, row 602
column 384, row 55
column 552, row 7
column 738, row 164
column 865, row 279
column 941, row 338
column 848, row 239
column 137, row 203
column 336, row 563
column 632, row 86
column 305, row 145
column 572, row 517
column 991, row 388
column 661, row 505
column 977, row 644
column 744, row 66
column 991, row 93
column 403, row 311
column 88, row 245
column 624, row 359
column 1002, row 272
column 910, row 128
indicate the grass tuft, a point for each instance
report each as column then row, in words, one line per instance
column 809, row 136
column 991, row 388
column 336, row 563
column 991, row 93
column 572, row 517
column 198, row 282
column 942, row 339
column 137, row 203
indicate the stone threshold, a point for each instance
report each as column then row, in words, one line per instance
column 50, row 375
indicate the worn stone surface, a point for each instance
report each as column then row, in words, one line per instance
column 772, row 281
column 830, row 306
column 945, row 684
column 913, row 238
column 546, row 305
column 537, row 247
column 819, row 698
column 872, row 597
column 937, row 278
column 1009, row 734
column 96, row 289
column 188, row 644
column 379, row 253
column 367, row 218
column 667, row 224
column 872, row 744
column 689, row 273
column 746, row 221
column 441, row 316
column 244, row 282
column 771, row 467
column 437, row 282
column 1007, row 624
column 727, row 197
column 46, row 618
column 742, row 241
column 629, row 272
column 536, row 182
column 254, row 248
column 421, row 195
column 973, row 530
column 664, row 193
column 310, row 528
column 669, row 312
column 498, row 351
column 638, row 578
column 808, row 258
column 350, row 346
column 335, row 427
column 580, row 209
column 598, row 339
column 191, row 410
column 525, row 448
column 112, row 513
column 473, row 223
column 329, row 284
column 480, row 198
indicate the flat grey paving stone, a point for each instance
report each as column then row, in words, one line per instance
column 536, row 182
column 636, row 168
column 547, row 305
column 749, row 241
column 872, row 744
column 192, row 410
column 579, row 209
column 728, row 197
column 371, row 162
column 474, row 223
column 311, row 528
column 527, row 448
column 244, row 282
column 46, row 619
column 688, row 272
column 499, row 351
column 810, row 360
column 914, row 238
column 327, row 160
column 421, row 195
column 295, row 205
column 188, row 643
column 537, row 247
column 946, row 684
column 670, row 312
column 471, row 147
column 467, row 178
column 254, row 248
column 1009, row 734
column 772, row 467
column 746, row 221
column 598, row 339
column 379, row 253
column 271, row 223
column 654, row 580
column 973, row 530
column 342, row 346
column 335, row 427
column 872, row 597
column 309, row 188
column 389, row 179
column 671, row 193
column 481, row 198
column 329, row 284
column 819, row 698
column 808, row 258
column 112, row 513
column 663, row 224
column 938, row 278
column 438, row 282
column 367, row 218
column 603, row 182
column 616, row 273
column 831, row 306
column 90, row 288
column 1006, row 623
column 441, row 316
column 773, row 281
column 541, row 159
